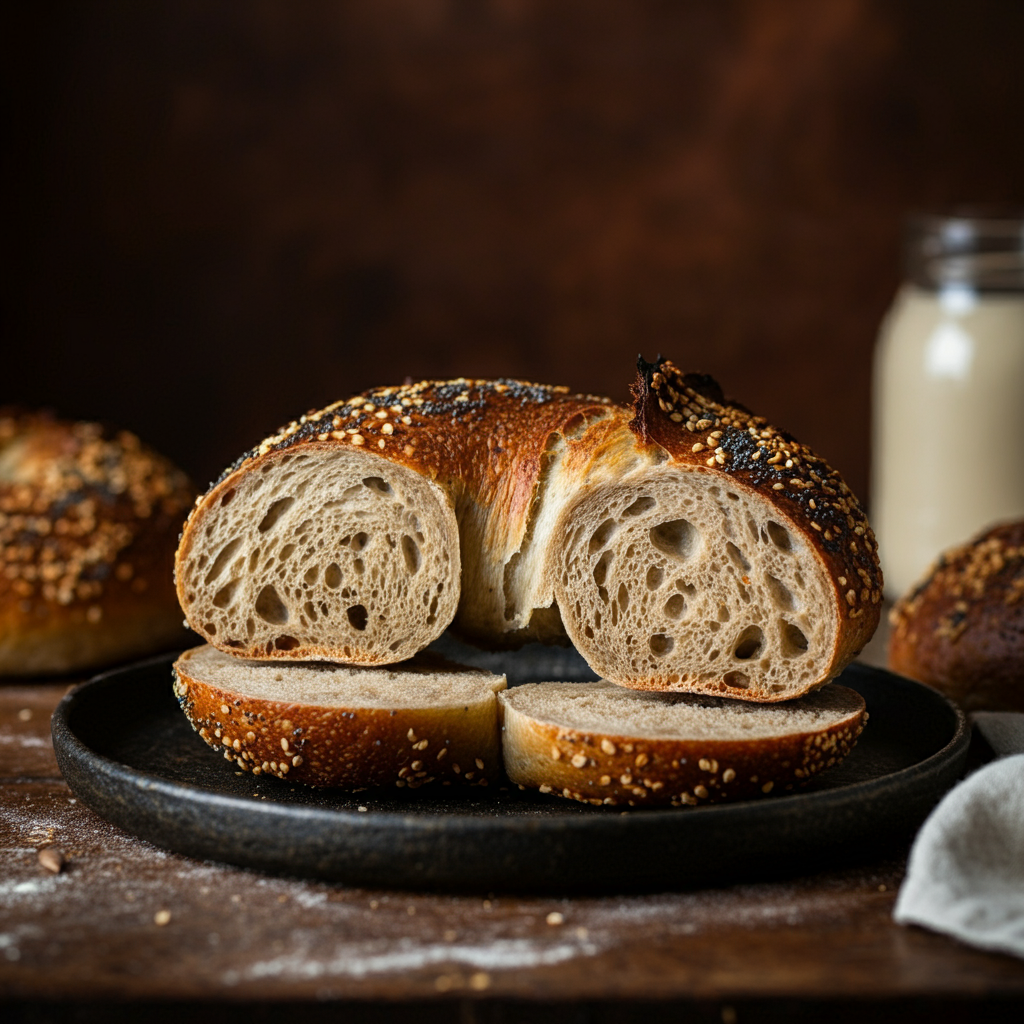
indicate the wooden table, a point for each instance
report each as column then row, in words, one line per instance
column 125, row 923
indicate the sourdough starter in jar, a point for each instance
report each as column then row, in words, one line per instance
column 948, row 455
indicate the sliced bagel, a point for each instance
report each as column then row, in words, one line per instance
column 321, row 724
column 604, row 744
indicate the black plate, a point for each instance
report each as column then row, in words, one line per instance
column 127, row 752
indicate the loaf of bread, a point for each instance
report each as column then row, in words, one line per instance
column 603, row 744
column 961, row 629
column 89, row 522
column 680, row 544
column 405, row 725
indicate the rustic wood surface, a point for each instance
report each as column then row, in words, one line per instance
column 125, row 920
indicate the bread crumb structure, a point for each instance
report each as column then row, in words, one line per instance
column 89, row 521
column 681, row 543
column 406, row 726
column 961, row 629
column 605, row 745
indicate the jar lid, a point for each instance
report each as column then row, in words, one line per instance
column 978, row 249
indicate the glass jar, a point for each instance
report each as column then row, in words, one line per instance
column 948, row 445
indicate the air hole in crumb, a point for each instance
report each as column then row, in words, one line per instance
column 270, row 608
column 250, row 628
column 310, row 611
column 713, row 655
column 332, row 576
column 752, row 526
column 640, row 506
column 274, row 513
column 394, row 645
column 357, row 564
column 731, row 496
column 779, row 535
column 311, row 574
column 357, row 617
column 780, row 593
column 675, row 606
column 749, row 643
column 623, row 597
column 655, row 577
column 602, row 535
column 359, row 541
column 285, row 552
column 221, row 561
column 210, row 628
column 224, row 596
column 723, row 613
column 601, row 569
column 737, row 556
column 375, row 483
column 286, row 643
column 794, row 642
column 736, row 680
column 411, row 554
column 714, row 626
column 661, row 644
column 677, row 538
column 228, row 495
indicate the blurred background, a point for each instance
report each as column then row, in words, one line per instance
column 219, row 215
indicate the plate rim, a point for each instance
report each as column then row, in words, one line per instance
column 67, row 743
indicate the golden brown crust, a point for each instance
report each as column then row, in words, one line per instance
column 88, row 526
column 346, row 747
column 608, row 768
column 961, row 629
column 688, row 415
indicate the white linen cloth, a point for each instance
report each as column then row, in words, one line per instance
column 966, row 871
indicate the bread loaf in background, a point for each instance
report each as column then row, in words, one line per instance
column 961, row 629
column 426, row 720
column 681, row 543
column 89, row 521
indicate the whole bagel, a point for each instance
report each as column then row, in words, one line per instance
column 89, row 521
column 961, row 629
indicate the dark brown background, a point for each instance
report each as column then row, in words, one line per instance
column 218, row 215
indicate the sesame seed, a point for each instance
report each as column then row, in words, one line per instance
column 700, row 791
column 161, row 918
column 579, row 760
column 545, row 789
column 358, row 439
column 607, row 746
column 605, row 780
column 388, row 428
column 767, row 787
column 625, row 779
column 728, row 775
column 555, row 918
column 224, row 709
column 555, row 753
column 641, row 760
column 479, row 764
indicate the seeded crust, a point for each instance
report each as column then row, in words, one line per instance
column 961, row 629
column 426, row 720
column 89, row 521
column 522, row 466
column 601, row 744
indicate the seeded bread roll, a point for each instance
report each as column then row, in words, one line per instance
column 602, row 744
column 334, row 725
column 681, row 544
column 961, row 629
column 89, row 521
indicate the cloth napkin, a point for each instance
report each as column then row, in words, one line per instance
column 966, row 871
